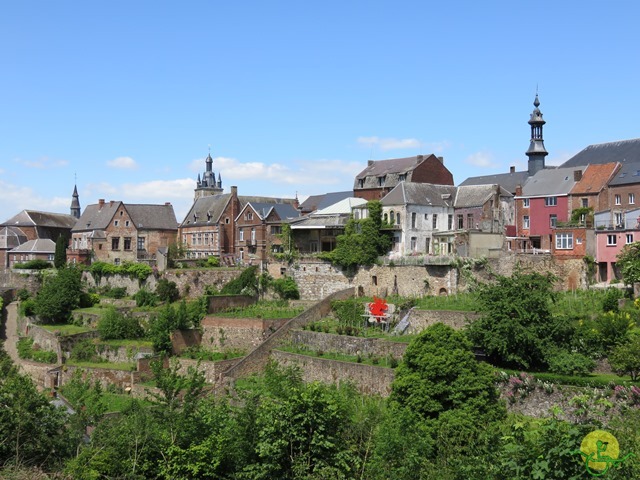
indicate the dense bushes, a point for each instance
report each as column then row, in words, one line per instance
column 564, row 362
column 167, row 291
column 286, row 288
column 246, row 283
column 139, row 271
column 114, row 325
column 59, row 295
column 33, row 265
column 28, row 351
column 145, row 298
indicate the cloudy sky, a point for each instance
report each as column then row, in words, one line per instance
column 293, row 97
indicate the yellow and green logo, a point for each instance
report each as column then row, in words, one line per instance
column 600, row 451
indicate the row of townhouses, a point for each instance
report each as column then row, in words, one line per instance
column 584, row 207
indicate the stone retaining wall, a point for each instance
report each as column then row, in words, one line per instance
column 375, row 347
column 419, row 320
column 245, row 334
column 368, row 379
column 218, row 303
column 122, row 354
column 212, row 370
column 119, row 378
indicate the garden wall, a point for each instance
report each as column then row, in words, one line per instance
column 120, row 354
column 368, row 379
column 212, row 370
column 347, row 345
column 237, row 333
column 255, row 361
column 119, row 378
column 218, row 303
column 419, row 320
column 28, row 279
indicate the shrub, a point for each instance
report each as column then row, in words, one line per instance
column 27, row 307
column 145, row 298
column 286, row 288
column 33, row 265
column 213, row 261
column 88, row 300
column 115, row 292
column 23, row 294
column 115, row 325
column 246, row 283
column 610, row 301
column 85, row 351
column 564, row 362
column 59, row 295
column 27, row 351
column 167, row 291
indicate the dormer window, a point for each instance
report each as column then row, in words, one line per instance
column 402, row 177
column 381, row 180
column 361, row 183
column 208, row 216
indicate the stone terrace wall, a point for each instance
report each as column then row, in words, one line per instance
column 122, row 354
column 258, row 358
column 237, row 333
column 212, row 370
column 218, row 303
column 106, row 377
column 571, row 272
column 11, row 279
column 368, row 379
column 421, row 319
column 348, row 345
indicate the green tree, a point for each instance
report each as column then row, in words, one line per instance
column 628, row 262
column 167, row 291
column 517, row 326
column 625, row 358
column 115, row 325
column 59, row 295
column 363, row 241
column 60, row 257
column 245, row 284
column 439, row 373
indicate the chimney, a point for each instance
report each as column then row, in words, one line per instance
column 167, row 204
column 101, row 203
column 369, row 163
column 577, row 175
column 419, row 158
column 512, row 169
column 441, row 160
column 111, row 203
column 518, row 190
column 234, row 191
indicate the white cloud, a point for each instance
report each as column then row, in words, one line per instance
column 160, row 190
column 14, row 199
column 127, row 163
column 42, row 163
column 481, row 159
column 389, row 143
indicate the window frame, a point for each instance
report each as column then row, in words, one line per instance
column 564, row 241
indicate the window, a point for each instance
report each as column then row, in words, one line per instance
column 629, row 237
column 619, row 220
column 402, row 177
column 551, row 201
column 116, row 223
column 249, row 216
column 585, row 202
column 241, row 234
column 356, row 214
column 450, row 222
column 413, row 220
column 612, row 240
column 276, row 229
column 381, row 181
column 51, row 257
column 632, row 198
column 434, row 222
column 361, row 183
column 564, row 241
column 460, row 222
column 206, row 238
column 398, row 218
column 226, row 220
column 414, row 244
column 525, row 202
column 127, row 243
column 115, row 243
column 618, row 199
column 253, row 235
column 374, row 280
column 392, row 216
column 126, row 223
column 525, row 222
column 426, row 217
column 116, row 261
column 553, row 221
column 313, row 246
column 140, row 243
column 386, row 218
column 469, row 221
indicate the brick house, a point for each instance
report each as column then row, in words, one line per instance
column 35, row 224
column 10, row 238
column 592, row 187
column 258, row 226
column 382, row 176
column 39, row 249
column 116, row 232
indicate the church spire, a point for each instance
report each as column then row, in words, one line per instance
column 536, row 152
column 207, row 184
column 75, row 203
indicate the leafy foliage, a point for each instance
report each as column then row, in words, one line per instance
column 60, row 256
column 245, row 284
column 59, row 295
column 628, row 261
column 167, row 291
column 625, row 358
column 36, row 264
column 517, row 327
column 564, row 362
column 286, row 288
column 138, row 271
column 168, row 320
column 27, row 351
column 363, row 241
column 116, row 325
column 145, row 298
column 610, row 300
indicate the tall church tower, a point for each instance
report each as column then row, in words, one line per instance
column 207, row 185
column 75, row 203
column 536, row 152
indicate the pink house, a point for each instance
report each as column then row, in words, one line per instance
column 609, row 243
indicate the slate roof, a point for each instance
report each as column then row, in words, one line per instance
column 623, row 151
column 594, row 178
column 213, row 206
column 379, row 168
column 320, row 221
column 283, row 210
column 550, row 182
column 143, row 216
column 33, row 218
column 477, row 195
column 420, row 194
column 342, row 207
column 508, row 181
column 629, row 173
column 317, row 202
column 11, row 237
column 40, row 245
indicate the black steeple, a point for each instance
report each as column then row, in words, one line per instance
column 75, row 203
column 207, row 184
column 536, row 152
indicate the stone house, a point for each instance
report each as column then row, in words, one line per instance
column 382, row 176
column 116, row 232
column 420, row 217
column 258, row 226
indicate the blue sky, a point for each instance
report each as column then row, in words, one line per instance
column 295, row 97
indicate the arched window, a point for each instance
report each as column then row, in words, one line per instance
column 392, row 217
column 398, row 218
column 386, row 217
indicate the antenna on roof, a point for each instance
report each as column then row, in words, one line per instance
column 209, row 149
